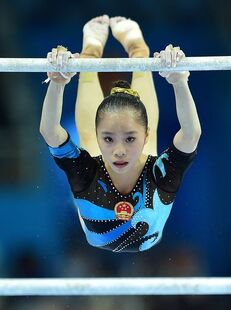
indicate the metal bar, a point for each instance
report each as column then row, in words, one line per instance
column 115, row 64
column 115, row 286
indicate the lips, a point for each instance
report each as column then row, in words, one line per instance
column 120, row 164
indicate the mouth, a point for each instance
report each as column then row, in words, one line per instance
column 120, row 164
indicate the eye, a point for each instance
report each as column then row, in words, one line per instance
column 130, row 139
column 108, row 139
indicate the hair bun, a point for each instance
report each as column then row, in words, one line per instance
column 121, row 84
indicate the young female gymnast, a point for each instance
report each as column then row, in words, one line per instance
column 125, row 195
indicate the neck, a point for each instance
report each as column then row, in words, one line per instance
column 125, row 182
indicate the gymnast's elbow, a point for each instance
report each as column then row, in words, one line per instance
column 192, row 133
column 197, row 133
column 194, row 136
column 53, row 137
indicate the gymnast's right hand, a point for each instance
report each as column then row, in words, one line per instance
column 59, row 58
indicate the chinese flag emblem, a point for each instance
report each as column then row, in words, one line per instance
column 124, row 210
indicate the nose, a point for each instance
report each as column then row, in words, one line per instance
column 120, row 151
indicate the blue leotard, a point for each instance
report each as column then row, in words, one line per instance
column 137, row 222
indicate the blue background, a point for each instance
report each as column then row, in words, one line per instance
column 40, row 235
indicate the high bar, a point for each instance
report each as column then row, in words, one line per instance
column 115, row 286
column 115, row 64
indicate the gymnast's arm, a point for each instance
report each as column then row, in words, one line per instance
column 50, row 127
column 186, row 139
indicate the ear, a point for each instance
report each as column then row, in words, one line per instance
column 147, row 136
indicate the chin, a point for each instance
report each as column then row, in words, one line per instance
column 120, row 172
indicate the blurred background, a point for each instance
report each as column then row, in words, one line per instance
column 40, row 234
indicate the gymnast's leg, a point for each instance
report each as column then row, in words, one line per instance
column 89, row 94
column 128, row 33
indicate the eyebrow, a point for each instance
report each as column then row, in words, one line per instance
column 112, row 133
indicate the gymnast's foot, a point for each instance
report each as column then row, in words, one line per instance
column 128, row 33
column 95, row 34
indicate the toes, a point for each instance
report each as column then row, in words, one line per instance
column 100, row 23
column 115, row 20
column 122, row 24
column 104, row 19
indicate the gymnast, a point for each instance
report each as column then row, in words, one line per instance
column 122, row 190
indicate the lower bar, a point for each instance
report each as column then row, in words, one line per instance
column 115, row 286
column 115, row 64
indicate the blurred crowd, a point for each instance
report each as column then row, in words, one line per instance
column 83, row 261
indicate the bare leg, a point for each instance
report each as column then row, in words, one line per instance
column 89, row 94
column 128, row 33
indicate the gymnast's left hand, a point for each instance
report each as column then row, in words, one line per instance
column 59, row 58
column 169, row 58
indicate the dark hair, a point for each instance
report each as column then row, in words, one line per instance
column 120, row 100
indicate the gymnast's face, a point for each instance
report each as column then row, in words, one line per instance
column 121, row 139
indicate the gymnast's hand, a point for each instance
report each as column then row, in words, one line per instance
column 169, row 58
column 59, row 58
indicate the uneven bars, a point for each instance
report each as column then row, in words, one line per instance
column 115, row 64
column 115, row 286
